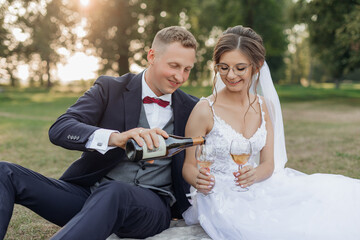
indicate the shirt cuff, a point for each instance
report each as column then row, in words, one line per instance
column 99, row 140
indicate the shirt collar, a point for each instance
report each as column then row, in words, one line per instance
column 146, row 91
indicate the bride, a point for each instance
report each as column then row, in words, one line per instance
column 281, row 203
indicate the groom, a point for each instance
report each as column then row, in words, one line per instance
column 102, row 192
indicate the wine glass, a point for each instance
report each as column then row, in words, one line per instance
column 205, row 156
column 240, row 152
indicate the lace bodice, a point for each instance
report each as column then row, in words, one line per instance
column 221, row 136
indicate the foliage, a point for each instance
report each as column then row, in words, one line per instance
column 152, row 16
column 130, row 34
column 266, row 17
column 8, row 60
column 125, row 33
column 334, row 29
column 120, row 33
column 111, row 26
column 3, row 32
column 348, row 38
column 49, row 29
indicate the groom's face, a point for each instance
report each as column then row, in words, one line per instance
column 169, row 68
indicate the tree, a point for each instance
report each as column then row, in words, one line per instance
column 348, row 39
column 9, row 44
column 153, row 15
column 3, row 32
column 49, row 29
column 111, row 26
column 266, row 17
column 121, row 31
column 334, row 33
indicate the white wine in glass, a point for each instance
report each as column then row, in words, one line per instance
column 240, row 152
column 205, row 157
column 241, row 159
column 204, row 164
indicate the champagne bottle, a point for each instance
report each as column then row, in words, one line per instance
column 167, row 148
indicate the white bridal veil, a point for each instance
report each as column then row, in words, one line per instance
column 266, row 89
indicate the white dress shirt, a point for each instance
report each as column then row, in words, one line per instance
column 156, row 115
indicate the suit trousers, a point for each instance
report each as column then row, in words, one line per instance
column 114, row 207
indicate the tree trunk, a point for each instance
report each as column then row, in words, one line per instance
column 310, row 73
column 48, row 74
column 41, row 80
column 12, row 79
column 123, row 63
column 337, row 83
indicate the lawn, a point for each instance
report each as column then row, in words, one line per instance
column 321, row 128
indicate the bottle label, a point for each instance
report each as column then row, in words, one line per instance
column 155, row 152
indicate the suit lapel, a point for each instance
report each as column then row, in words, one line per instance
column 179, row 113
column 132, row 102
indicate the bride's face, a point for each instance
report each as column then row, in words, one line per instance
column 235, row 70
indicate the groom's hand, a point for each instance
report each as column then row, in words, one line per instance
column 246, row 176
column 139, row 135
column 204, row 181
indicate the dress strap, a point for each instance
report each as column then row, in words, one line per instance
column 260, row 101
column 261, row 108
column 211, row 103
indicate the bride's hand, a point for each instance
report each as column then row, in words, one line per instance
column 204, row 181
column 246, row 176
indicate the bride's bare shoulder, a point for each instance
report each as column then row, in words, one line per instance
column 264, row 108
column 200, row 120
column 203, row 107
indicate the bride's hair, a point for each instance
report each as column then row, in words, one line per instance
column 249, row 43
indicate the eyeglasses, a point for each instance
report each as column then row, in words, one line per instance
column 239, row 69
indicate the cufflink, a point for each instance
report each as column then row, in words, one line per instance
column 99, row 144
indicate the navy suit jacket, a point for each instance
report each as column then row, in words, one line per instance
column 115, row 103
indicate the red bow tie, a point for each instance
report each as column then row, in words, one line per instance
column 160, row 102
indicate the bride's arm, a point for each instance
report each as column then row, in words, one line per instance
column 266, row 166
column 250, row 175
column 199, row 123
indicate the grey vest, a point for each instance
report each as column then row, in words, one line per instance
column 155, row 176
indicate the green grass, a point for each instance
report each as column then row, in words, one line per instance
column 295, row 93
column 321, row 127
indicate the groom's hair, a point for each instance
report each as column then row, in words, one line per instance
column 174, row 34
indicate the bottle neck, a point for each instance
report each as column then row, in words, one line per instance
column 198, row 140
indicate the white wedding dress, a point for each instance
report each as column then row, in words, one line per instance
column 289, row 205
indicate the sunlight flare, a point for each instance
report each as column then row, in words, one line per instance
column 84, row 2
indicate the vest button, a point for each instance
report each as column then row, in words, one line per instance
column 136, row 182
column 143, row 167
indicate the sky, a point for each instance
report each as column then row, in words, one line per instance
column 79, row 66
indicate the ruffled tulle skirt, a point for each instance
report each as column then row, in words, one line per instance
column 289, row 205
